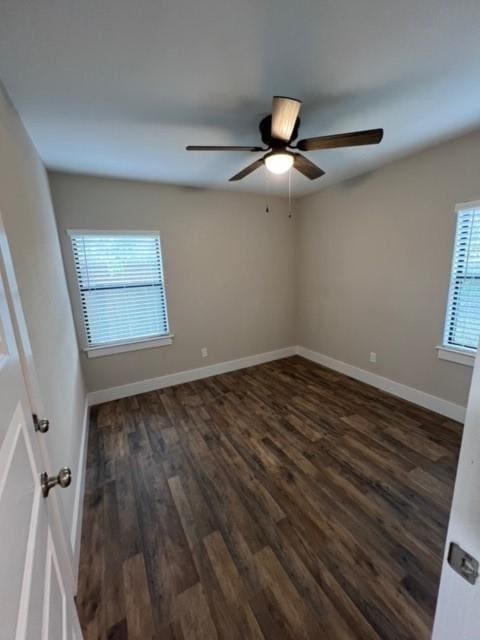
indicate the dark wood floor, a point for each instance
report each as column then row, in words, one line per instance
column 280, row 501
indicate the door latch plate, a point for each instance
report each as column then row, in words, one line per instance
column 463, row 563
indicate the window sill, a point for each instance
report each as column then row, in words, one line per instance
column 95, row 352
column 459, row 356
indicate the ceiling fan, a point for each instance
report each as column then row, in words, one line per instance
column 279, row 130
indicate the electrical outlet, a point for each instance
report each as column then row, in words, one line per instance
column 373, row 356
column 204, row 352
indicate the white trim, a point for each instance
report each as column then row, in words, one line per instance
column 169, row 380
column 77, row 306
column 9, row 445
column 76, row 530
column 461, row 207
column 131, row 345
column 467, row 206
column 107, row 232
column 423, row 399
column 444, row 407
column 47, row 589
column 23, row 609
column 456, row 355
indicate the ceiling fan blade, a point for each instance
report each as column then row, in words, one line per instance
column 308, row 168
column 352, row 139
column 193, row 147
column 244, row 172
column 284, row 116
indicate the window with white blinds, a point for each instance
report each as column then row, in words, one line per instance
column 122, row 289
column 462, row 327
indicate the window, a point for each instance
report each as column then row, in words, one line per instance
column 122, row 289
column 462, row 327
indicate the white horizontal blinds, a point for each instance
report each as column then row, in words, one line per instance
column 463, row 315
column 121, row 287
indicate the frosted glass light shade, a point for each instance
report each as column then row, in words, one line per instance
column 279, row 162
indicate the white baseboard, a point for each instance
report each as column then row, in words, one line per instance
column 123, row 391
column 76, row 532
column 426, row 400
column 423, row 399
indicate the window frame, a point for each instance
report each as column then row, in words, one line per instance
column 447, row 351
column 120, row 346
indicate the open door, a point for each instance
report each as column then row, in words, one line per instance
column 36, row 578
column 458, row 605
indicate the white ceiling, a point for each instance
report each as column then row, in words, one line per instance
column 119, row 87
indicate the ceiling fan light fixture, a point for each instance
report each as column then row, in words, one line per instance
column 278, row 130
column 279, row 162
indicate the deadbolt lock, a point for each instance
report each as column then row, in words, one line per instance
column 64, row 478
column 40, row 424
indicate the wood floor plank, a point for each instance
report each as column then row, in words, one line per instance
column 91, row 605
column 169, row 565
column 128, row 532
column 225, row 570
column 279, row 502
column 185, row 512
column 298, row 616
column 118, row 631
column 139, row 614
column 112, row 593
column 229, row 619
column 344, row 606
column 194, row 615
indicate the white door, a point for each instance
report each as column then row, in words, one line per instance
column 36, row 584
column 458, row 606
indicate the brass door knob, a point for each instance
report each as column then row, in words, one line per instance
column 64, row 479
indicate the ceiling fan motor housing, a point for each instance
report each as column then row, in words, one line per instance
column 265, row 127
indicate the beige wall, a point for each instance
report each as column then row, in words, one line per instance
column 29, row 221
column 229, row 269
column 363, row 267
column 374, row 265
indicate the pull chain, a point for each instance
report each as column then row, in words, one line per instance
column 267, row 191
column 290, row 214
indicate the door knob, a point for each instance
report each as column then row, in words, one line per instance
column 40, row 424
column 64, row 478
